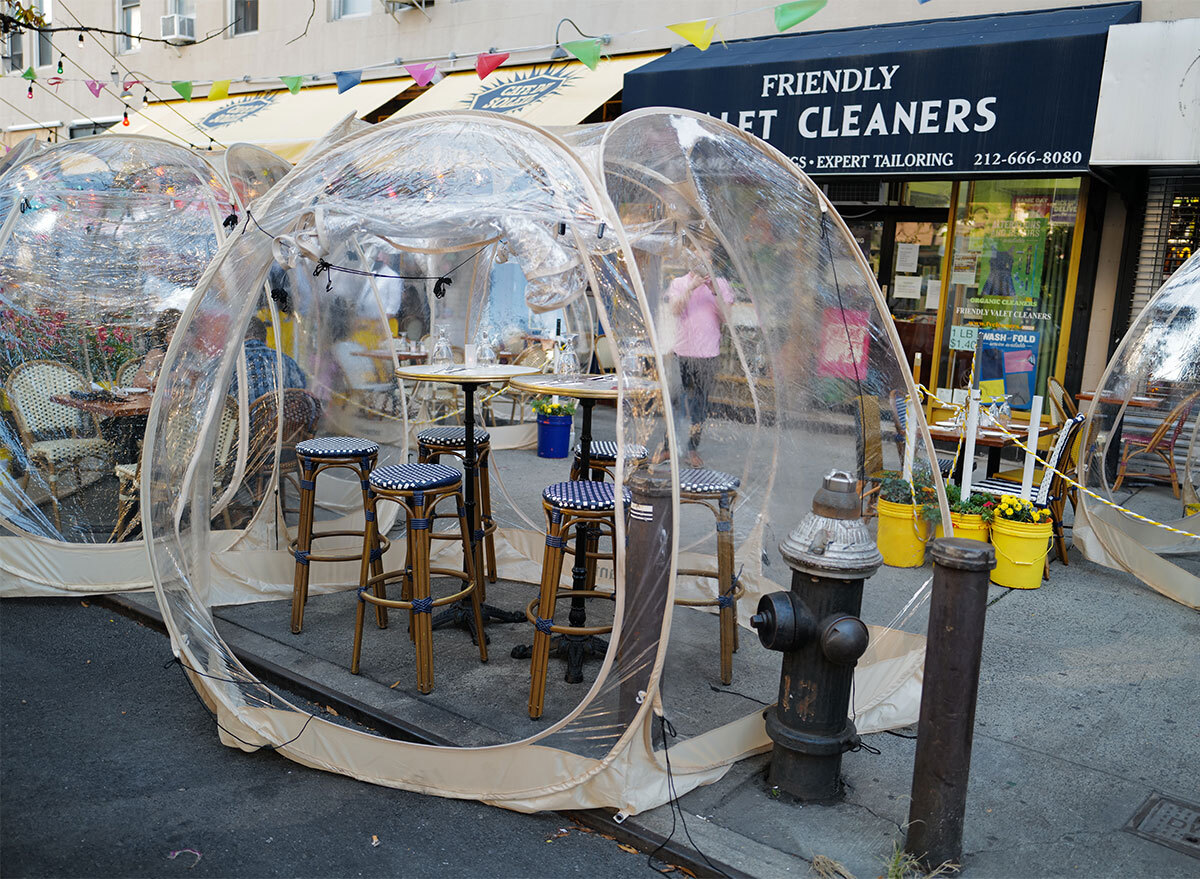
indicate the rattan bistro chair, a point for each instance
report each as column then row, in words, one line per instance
column 127, row 370
column 57, row 438
column 1161, row 441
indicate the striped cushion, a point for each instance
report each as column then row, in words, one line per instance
column 408, row 477
column 1003, row 486
column 605, row 452
column 946, row 465
column 707, row 481
column 336, row 447
column 450, row 436
column 581, row 495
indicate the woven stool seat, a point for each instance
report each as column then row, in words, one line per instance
column 413, row 477
column 707, row 481
column 581, row 495
column 450, row 436
column 336, row 447
column 605, row 452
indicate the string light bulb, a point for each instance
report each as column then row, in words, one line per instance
column 125, row 117
column 60, row 61
column 29, row 94
column 81, row 38
column 145, row 97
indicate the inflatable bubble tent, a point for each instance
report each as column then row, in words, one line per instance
column 102, row 241
column 1140, row 437
column 503, row 230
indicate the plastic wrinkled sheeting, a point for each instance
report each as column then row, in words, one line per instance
column 1159, row 356
column 252, row 171
column 99, row 237
column 462, row 221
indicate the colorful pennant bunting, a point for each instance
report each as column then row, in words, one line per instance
column 95, row 87
column 486, row 62
column 587, row 51
column 219, row 90
column 347, row 79
column 698, row 33
column 788, row 15
column 422, row 74
column 292, row 83
column 31, row 74
column 183, row 87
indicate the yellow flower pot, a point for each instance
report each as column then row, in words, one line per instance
column 901, row 536
column 967, row 526
column 1021, row 549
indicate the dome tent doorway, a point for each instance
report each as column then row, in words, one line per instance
column 457, row 194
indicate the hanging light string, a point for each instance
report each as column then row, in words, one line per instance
column 38, row 122
column 326, row 77
column 118, row 61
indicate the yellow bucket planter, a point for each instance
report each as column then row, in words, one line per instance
column 969, row 526
column 1021, row 549
column 901, row 535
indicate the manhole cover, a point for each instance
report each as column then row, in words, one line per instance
column 1168, row 822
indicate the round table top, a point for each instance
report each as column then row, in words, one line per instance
column 579, row 385
column 461, row 374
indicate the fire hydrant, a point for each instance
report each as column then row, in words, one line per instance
column 816, row 626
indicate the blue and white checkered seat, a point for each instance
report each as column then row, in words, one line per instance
column 1058, row 453
column 414, row 477
column 696, row 481
column 605, row 452
column 336, row 447
column 582, row 495
column 450, row 436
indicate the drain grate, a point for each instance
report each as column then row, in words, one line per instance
column 1168, row 822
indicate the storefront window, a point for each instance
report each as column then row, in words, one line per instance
column 1008, row 287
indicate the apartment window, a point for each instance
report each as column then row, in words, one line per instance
column 130, row 25
column 181, row 7
column 244, row 14
column 43, row 49
column 14, row 57
column 351, row 8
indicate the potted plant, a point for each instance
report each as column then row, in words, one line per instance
column 1021, row 534
column 967, row 516
column 902, row 532
column 554, row 427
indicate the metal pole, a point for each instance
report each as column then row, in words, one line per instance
column 947, row 725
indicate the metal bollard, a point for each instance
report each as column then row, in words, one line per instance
column 947, row 725
column 816, row 625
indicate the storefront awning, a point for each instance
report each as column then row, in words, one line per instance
column 1149, row 112
column 556, row 93
column 995, row 94
column 284, row 123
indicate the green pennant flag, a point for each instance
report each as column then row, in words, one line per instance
column 789, row 15
column 29, row 74
column 292, row 83
column 184, row 87
column 587, row 51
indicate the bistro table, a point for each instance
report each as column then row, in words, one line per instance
column 469, row 378
column 128, row 412
column 991, row 438
column 587, row 389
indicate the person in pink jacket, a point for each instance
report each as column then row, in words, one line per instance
column 699, row 316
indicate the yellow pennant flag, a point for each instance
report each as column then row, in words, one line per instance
column 219, row 90
column 698, row 33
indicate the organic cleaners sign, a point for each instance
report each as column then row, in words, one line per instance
column 998, row 94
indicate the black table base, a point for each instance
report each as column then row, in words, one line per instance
column 461, row 616
column 575, row 649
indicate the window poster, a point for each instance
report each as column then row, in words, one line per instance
column 1006, row 366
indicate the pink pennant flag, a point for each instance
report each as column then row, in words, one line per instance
column 486, row 62
column 422, row 74
column 95, row 87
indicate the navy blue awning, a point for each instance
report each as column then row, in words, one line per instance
column 1013, row 93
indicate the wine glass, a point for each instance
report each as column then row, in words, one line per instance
column 567, row 360
column 443, row 354
column 486, row 353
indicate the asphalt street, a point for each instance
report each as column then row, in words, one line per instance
column 110, row 766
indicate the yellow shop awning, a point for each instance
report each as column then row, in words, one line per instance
column 279, row 121
column 553, row 93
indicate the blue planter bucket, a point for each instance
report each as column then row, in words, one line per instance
column 554, row 436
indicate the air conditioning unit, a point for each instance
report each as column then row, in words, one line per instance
column 179, row 30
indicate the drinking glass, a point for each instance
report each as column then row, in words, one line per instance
column 443, row 354
column 567, row 359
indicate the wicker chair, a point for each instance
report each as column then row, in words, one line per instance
column 301, row 412
column 533, row 355
column 127, row 370
column 57, row 438
column 1160, row 442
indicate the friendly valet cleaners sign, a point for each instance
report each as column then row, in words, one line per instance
column 1010, row 94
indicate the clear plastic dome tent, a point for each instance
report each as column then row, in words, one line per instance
column 101, row 238
column 252, row 170
column 497, row 223
column 1145, row 414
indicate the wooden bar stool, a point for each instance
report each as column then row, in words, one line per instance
column 602, row 459
column 434, row 442
column 418, row 489
column 717, row 491
column 313, row 456
column 587, row 507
